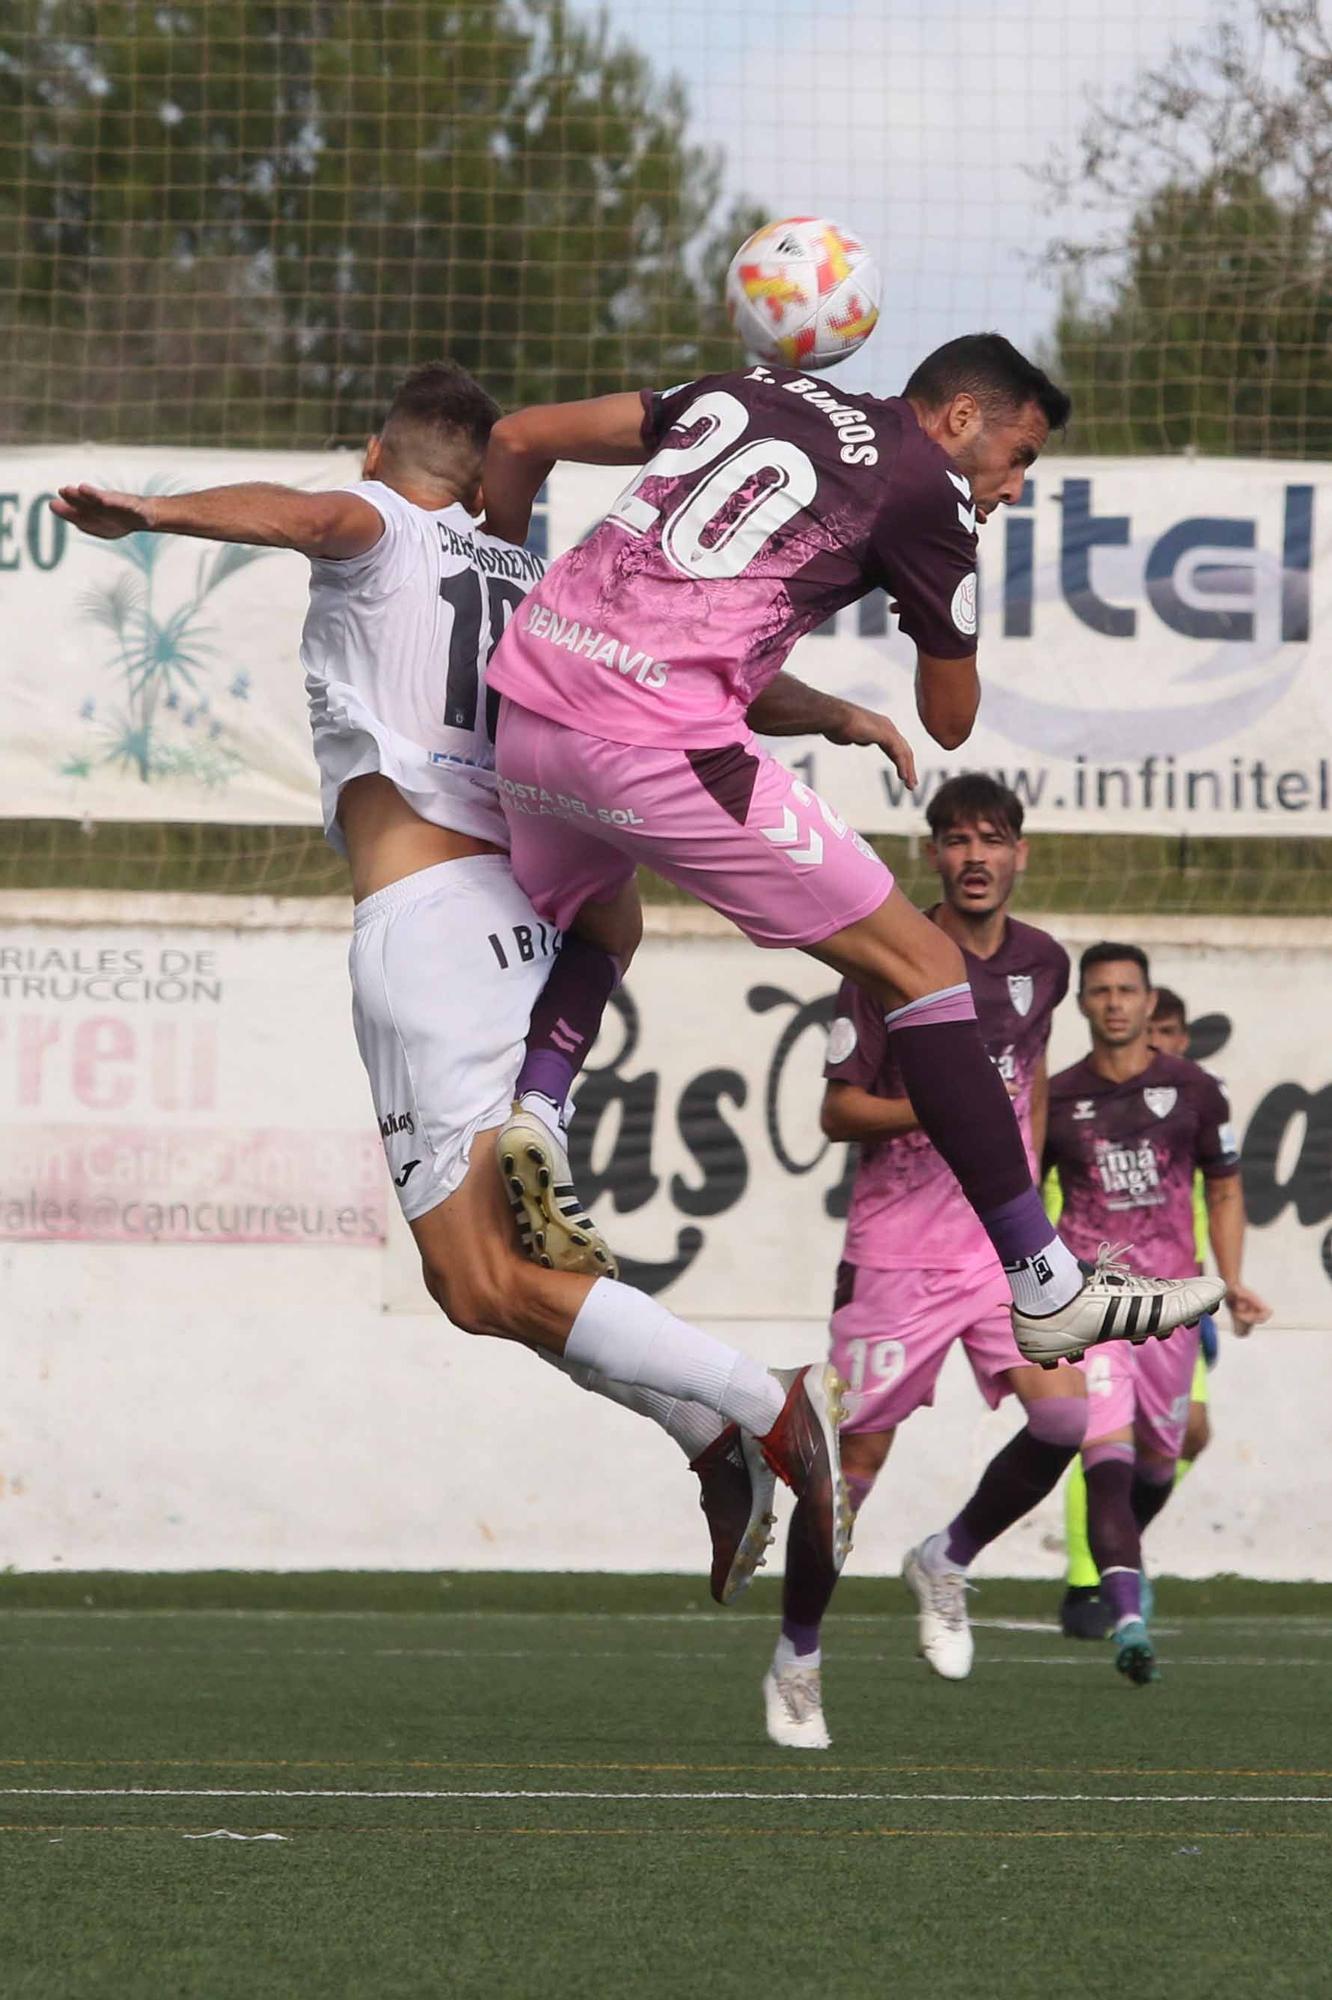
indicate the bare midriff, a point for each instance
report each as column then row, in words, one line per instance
column 386, row 840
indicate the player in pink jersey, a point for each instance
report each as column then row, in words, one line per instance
column 765, row 504
column 1128, row 1128
column 448, row 958
column 918, row 1271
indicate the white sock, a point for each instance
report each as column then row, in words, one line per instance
column 934, row 1555
column 785, row 1655
column 1042, row 1284
column 547, row 1110
column 627, row 1336
column 688, row 1424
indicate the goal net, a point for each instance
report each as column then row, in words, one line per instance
column 231, row 226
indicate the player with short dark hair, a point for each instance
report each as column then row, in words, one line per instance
column 991, row 369
column 1128, row 1128
column 436, row 409
column 1082, row 1611
column 1109, row 953
column 1170, row 1023
column 918, row 1273
column 765, row 502
column 408, row 597
column 974, row 799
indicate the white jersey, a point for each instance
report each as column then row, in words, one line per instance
column 395, row 648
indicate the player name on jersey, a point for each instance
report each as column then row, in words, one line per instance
column 766, row 505
column 396, row 647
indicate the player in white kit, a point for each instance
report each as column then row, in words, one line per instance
column 408, row 598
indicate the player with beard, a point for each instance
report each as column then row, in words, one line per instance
column 1128, row 1128
column 408, row 597
column 763, row 505
column 1083, row 1614
column 919, row 1273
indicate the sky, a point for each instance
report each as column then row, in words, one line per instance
column 914, row 123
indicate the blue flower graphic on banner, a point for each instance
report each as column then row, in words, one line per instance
column 160, row 722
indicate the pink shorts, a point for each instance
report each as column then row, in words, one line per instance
column 891, row 1330
column 731, row 826
column 1145, row 1390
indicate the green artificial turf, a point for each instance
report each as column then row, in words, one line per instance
column 561, row 1786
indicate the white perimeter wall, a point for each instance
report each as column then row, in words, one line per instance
column 273, row 1405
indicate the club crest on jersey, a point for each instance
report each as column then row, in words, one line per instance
column 1160, row 1100
column 963, row 606
column 1085, row 1108
column 1021, row 991
column 841, row 1039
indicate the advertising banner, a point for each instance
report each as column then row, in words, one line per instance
column 697, row 1138
column 199, row 1371
column 1149, row 646
column 187, row 1087
column 202, row 1086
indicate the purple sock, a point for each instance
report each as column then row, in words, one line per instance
column 809, row 1584
column 1149, row 1494
column 962, row 1106
column 1019, row 1477
column 801, row 1638
column 1121, row 1593
column 566, row 1018
column 1112, row 1532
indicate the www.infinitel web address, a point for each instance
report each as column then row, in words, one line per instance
column 1155, row 784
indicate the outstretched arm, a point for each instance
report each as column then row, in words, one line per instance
column 787, row 707
column 605, row 430
column 330, row 525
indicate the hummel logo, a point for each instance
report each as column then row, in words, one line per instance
column 789, row 833
column 400, row 1180
column 966, row 515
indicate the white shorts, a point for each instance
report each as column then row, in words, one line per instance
column 446, row 966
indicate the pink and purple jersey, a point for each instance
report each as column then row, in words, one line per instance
column 907, row 1210
column 1126, row 1153
column 767, row 505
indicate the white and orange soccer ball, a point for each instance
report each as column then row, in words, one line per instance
column 803, row 293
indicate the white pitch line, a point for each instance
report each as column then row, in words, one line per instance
column 704, row 1616
column 693, row 1798
column 1070, row 1661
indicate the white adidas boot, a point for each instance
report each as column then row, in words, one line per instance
column 556, row 1229
column 1114, row 1304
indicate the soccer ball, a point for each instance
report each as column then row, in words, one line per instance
column 803, row 293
